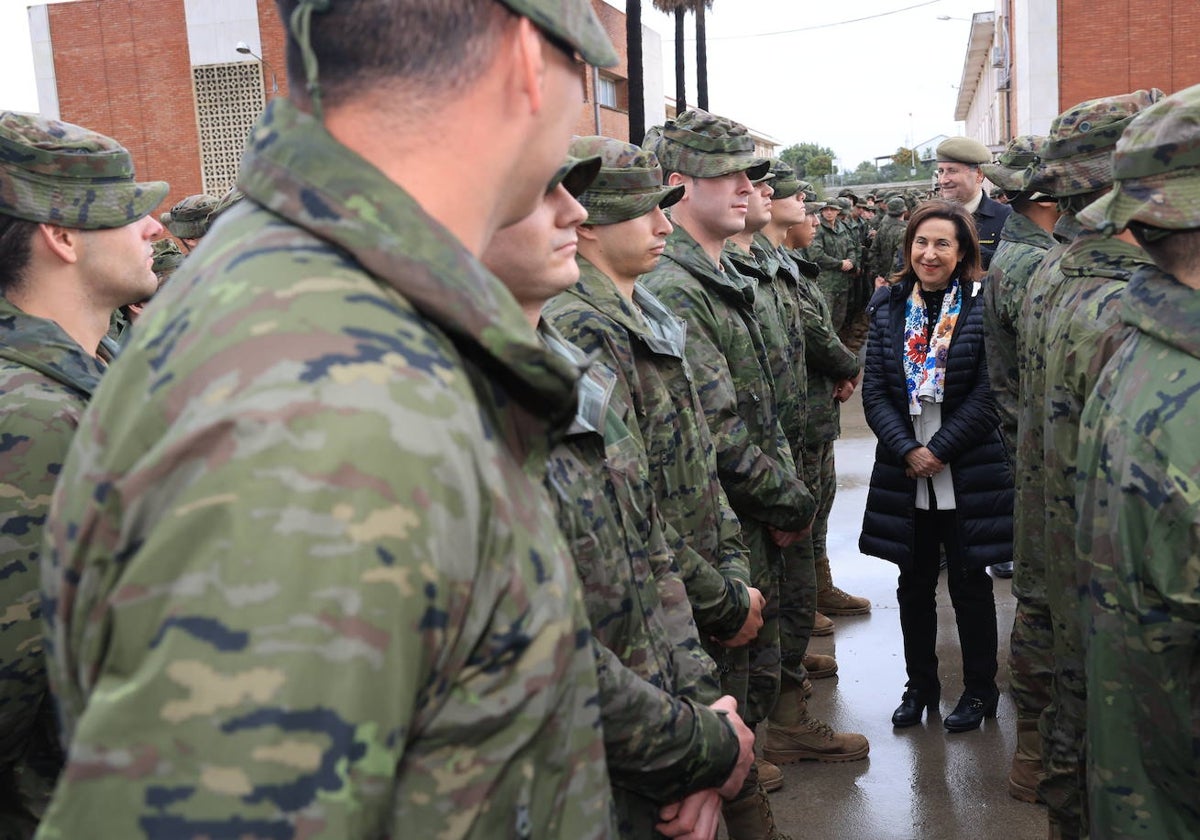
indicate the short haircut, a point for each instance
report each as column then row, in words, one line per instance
column 433, row 46
column 16, row 249
column 1177, row 252
column 970, row 266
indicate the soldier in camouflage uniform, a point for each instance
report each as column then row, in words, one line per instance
column 714, row 159
column 303, row 579
column 1075, row 167
column 189, row 219
column 884, row 257
column 74, row 245
column 662, row 742
column 612, row 317
column 833, row 251
column 1137, row 512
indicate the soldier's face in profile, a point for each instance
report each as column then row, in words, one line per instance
column 535, row 258
column 758, row 206
column 789, row 211
column 632, row 248
column 119, row 262
column 719, row 204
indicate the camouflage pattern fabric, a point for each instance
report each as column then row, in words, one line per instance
column 703, row 145
column 1031, row 654
column 573, row 21
column 1022, row 247
column 46, row 380
column 190, row 217
column 1138, row 472
column 884, row 257
column 646, row 350
column 1084, row 330
column 661, row 740
column 304, row 580
column 832, row 244
column 728, row 356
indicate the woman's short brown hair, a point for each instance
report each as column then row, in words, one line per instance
column 970, row 266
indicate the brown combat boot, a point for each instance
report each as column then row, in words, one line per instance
column 833, row 601
column 822, row 626
column 750, row 818
column 819, row 666
column 794, row 735
column 769, row 776
column 1027, row 769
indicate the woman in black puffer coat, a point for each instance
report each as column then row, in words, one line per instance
column 941, row 478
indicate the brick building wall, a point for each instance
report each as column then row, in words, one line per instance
column 1116, row 46
column 614, row 122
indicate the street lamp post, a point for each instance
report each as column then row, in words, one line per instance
column 244, row 48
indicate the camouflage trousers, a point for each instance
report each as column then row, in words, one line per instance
column 1063, row 722
column 854, row 334
column 1031, row 646
column 835, row 285
column 761, row 662
column 818, row 461
column 798, row 581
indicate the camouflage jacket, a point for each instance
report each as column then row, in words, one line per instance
column 886, row 247
column 1029, row 520
column 727, row 353
column 1084, row 330
column 46, row 379
column 646, row 349
column 1139, row 517
column 829, row 247
column 665, row 743
column 828, row 361
column 774, row 318
column 304, row 580
column 1022, row 246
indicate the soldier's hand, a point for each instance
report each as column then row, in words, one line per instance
column 753, row 622
column 847, row 265
column 844, row 390
column 786, row 539
column 880, row 282
column 733, row 785
column 694, row 817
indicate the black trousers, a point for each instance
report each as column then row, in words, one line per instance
column 974, row 609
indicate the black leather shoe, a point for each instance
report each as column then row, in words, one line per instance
column 1002, row 570
column 972, row 708
column 912, row 705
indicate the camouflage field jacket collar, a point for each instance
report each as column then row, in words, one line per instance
column 749, row 264
column 1022, row 229
column 686, row 252
column 657, row 327
column 1158, row 305
column 42, row 345
column 1096, row 255
column 296, row 169
column 1067, row 228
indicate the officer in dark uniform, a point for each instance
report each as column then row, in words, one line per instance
column 961, row 180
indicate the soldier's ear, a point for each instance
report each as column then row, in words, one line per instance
column 62, row 243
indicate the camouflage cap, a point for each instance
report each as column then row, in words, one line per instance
column 629, row 184
column 815, row 207
column 963, row 150
column 576, row 174
column 1011, row 170
column 573, row 22
column 834, row 203
column 786, row 185
column 1077, row 156
column 166, row 257
column 810, row 192
column 1156, row 170
column 232, row 197
column 64, row 174
column 703, row 145
column 189, row 218
column 896, row 206
column 845, row 205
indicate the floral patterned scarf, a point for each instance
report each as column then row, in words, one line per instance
column 925, row 350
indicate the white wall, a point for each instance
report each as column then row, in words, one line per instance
column 215, row 26
column 1035, row 35
column 43, row 62
column 654, row 81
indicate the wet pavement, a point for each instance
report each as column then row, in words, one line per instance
column 920, row 782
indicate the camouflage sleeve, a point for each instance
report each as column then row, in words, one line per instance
column 824, row 352
column 719, row 604
column 1000, row 339
column 821, row 253
column 695, row 671
column 753, row 480
column 36, row 428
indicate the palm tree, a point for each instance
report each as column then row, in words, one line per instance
column 678, row 8
column 699, row 7
column 637, row 82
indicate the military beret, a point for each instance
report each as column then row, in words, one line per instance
column 572, row 21
column 703, row 145
column 963, row 150
column 1156, row 170
column 1077, row 155
column 629, row 183
column 64, row 174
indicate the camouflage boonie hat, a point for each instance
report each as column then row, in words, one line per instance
column 1077, row 156
column 629, row 184
column 896, row 206
column 576, row 174
column 573, row 22
column 1011, row 170
column 786, row 185
column 1156, row 170
column 232, row 197
column 189, row 219
column 845, row 205
column 814, row 207
column 166, row 258
column 703, row 145
column 64, row 174
column 810, row 192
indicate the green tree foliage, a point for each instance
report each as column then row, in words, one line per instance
column 810, row 160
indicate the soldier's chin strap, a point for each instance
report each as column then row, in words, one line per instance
column 300, row 26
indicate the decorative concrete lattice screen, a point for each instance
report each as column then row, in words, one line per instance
column 229, row 98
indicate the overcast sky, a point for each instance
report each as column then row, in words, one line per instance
column 862, row 77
